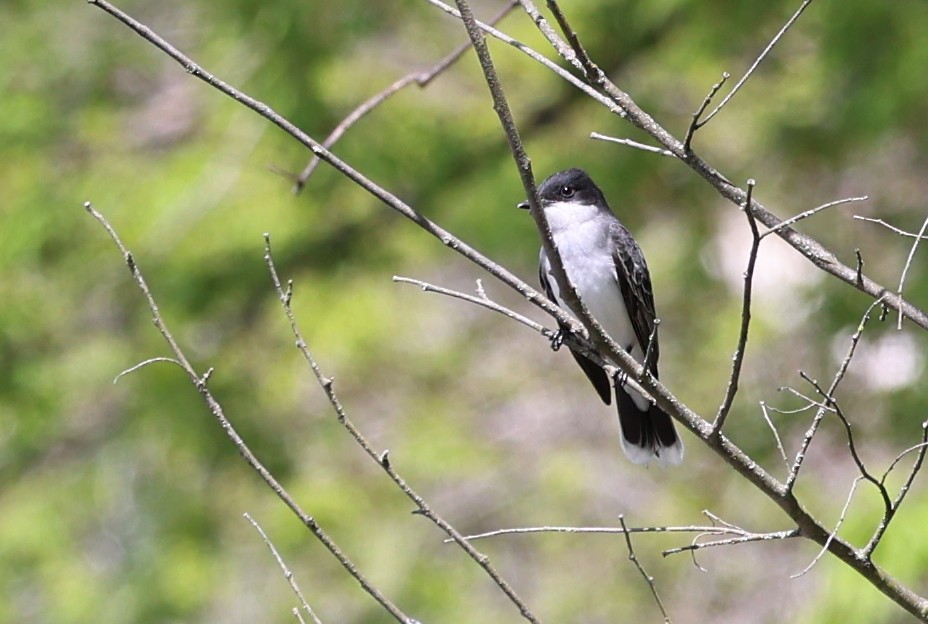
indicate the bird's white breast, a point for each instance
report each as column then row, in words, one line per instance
column 581, row 238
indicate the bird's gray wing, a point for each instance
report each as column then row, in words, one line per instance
column 631, row 272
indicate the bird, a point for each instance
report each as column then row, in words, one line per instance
column 608, row 270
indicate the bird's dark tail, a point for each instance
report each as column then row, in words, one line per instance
column 647, row 434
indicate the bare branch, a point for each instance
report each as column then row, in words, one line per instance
column 738, row 358
column 891, row 227
column 776, row 434
column 287, row 573
column 709, row 530
column 143, row 364
column 744, row 539
column 610, row 105
column 481, row 299
column 447, row 239
column 421, row 78
column 908, row 263
column 200, row 382
column 647, row 577
column 880, row 531
column 820, row 413
column 694, row 124
column 813, row 211
column 834, row 533
column 757, row 62
column 383, row 459
column 586, row 64
column 630, row 143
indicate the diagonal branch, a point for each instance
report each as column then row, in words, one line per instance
column 285, row 569
column 921, row 449
column 647, row 577
column 383, row 459
column 756, row 63
column 421, row 78
column 908, row 263
column 738, row 358
column 823, row 408
column 200, row 383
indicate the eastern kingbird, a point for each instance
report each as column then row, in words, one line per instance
column 607, row 268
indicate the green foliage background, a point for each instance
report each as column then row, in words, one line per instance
column 123, row 503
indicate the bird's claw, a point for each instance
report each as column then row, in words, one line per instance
column 557, row 339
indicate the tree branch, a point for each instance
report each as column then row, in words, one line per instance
column 200, row 383
column 738, row 358
column 383, row 459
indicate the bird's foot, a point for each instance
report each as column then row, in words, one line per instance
column 557, row 339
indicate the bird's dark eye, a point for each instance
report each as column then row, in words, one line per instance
column 566, row 191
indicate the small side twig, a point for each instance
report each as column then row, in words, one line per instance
column 733, row 541
column 647, row 577
column 586, row 63
column 634, row 144
column 813, row 211
column 891, row 227
column 422, row 79
column 776, row 434
column 760, row 58
column 286, row 570
column 832, row 534
column 480, row 299
column 908, row 263
column 145, row 363
column 880, row 531
column 738, row 358
column 694, row 123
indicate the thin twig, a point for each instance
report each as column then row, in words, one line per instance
column 383, row 459
column 776, row 434
column 200, row 382
column 833, row 534
column 710, row 530
column 694, row 122
column 421, row 78
column 860, row 267
column 630, row 143
column 586, row 63
column 820, row 413
column 605, row 100
column 647, row 577
column 756, row 62
column 286, row 570
column 143, row 364
column 738, row 358
column 808, row 213
column 855, row 455
column 908, row 263
column 745, row 539
column 481, row 299
column 890, row 227
column 880, row 531
column 563, row 49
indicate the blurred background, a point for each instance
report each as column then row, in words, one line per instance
column 123, row 502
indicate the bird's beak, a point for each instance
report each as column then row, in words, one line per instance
column 523, row 205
